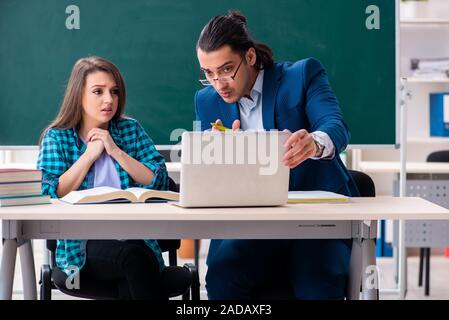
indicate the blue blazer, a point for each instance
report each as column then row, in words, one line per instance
column 295, row 96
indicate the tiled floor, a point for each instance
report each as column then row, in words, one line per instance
column 439, row 286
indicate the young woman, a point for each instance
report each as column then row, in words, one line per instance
column 91, row 144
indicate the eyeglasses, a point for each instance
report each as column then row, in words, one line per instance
column 224, row 78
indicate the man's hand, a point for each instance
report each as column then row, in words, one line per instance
column 235, row 125
column 298, row 148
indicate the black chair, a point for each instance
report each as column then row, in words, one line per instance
column 176, row 280
column 425, row 253
column 282, row 290
column 364, row 183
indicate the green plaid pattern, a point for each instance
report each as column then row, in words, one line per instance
column 60, row 149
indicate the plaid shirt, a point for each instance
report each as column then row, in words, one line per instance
column 60, row 149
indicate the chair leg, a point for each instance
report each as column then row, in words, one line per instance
column 195, row 287
column 427, row 280
column 186, row 296
column 421, row 264
column 196, row 247
column 195, row 272
column 45, row 283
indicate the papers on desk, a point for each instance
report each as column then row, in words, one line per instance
column 315, row 197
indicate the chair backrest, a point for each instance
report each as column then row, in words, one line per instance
column 167, row 153
column 172, row 186
column 364, row 183
column 438, row 156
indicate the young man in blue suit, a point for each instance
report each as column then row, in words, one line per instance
column 245, row 90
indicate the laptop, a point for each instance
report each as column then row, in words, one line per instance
column 233, row 169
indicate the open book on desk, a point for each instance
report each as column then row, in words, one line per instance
column 108, row 194
column 315, row 197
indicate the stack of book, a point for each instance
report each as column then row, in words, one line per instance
column 21, row 187
column 431, row 68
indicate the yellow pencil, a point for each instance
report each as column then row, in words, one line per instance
column 219, row 127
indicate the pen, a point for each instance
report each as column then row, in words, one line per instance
column 220, row 127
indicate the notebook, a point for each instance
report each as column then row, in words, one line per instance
column 315, row 197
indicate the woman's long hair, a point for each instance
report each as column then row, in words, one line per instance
column 71, row 110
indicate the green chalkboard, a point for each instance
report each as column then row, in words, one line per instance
column 153, row 44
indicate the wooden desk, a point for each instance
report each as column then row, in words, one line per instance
column 355, row 220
